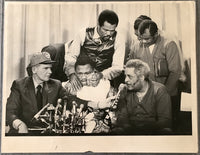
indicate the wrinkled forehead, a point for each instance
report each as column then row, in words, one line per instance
column 108, row 26
column 84, row 68
column 130, row 71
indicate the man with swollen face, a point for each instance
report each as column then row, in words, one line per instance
column 87, row 74
column 96, row 93
column 102, row 44
column 30, row 94
column 145, row 106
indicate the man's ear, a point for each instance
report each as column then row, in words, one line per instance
column 156, row 35
column 34, row 69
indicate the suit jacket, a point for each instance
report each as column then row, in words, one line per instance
column 22, row 104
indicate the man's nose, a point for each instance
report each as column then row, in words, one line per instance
column 84, row 76
column 108, row 33
column 49, row 71
column 126, row 80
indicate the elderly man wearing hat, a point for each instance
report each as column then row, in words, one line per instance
column 28, row 95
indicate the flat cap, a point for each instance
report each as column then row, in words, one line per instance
column 40, row 58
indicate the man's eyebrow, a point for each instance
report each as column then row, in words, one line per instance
column 107, row 29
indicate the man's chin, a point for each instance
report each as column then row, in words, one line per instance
column 94, row 84
column 131, row 88
column 47, row 79
column 84, row 83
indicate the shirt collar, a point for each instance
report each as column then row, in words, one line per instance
column 36, row 84
column 97, row 36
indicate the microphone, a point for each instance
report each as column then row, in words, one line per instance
column 74, row 104
column 58, row 103
column 64, row 114
column 56, row 111
column 64, row 108
column 122, row 86
column 36, row 116
column 81, row 109
column 120, row 89
column 51, row 108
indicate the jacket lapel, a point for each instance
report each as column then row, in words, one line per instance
column 47, row 91
column 45, row 94
column 157, row 47
column 30, row 93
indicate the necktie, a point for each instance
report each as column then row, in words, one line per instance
column 39, row 97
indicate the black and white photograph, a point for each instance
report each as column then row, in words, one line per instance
column 112, row 76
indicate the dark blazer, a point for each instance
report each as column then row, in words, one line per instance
column 22, row 104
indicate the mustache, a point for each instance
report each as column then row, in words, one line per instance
column 133, row 83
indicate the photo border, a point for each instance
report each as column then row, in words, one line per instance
column 197, row 61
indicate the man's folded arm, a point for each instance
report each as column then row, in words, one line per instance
column 13, row 105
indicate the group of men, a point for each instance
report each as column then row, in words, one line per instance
column 147, row 100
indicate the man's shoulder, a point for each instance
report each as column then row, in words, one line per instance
column 168, row 39
column 158, row 86
column 22, row 80
column 22, row 83
column 136, row 45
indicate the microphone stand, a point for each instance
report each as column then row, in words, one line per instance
column 73, row 119
column 64, row 116
column 51, row 108
column 56, row 116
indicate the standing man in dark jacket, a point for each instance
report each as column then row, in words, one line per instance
column 28, row 95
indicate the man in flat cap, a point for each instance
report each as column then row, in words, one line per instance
column 28, row 95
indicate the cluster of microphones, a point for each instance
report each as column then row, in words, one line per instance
column 61, row 120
